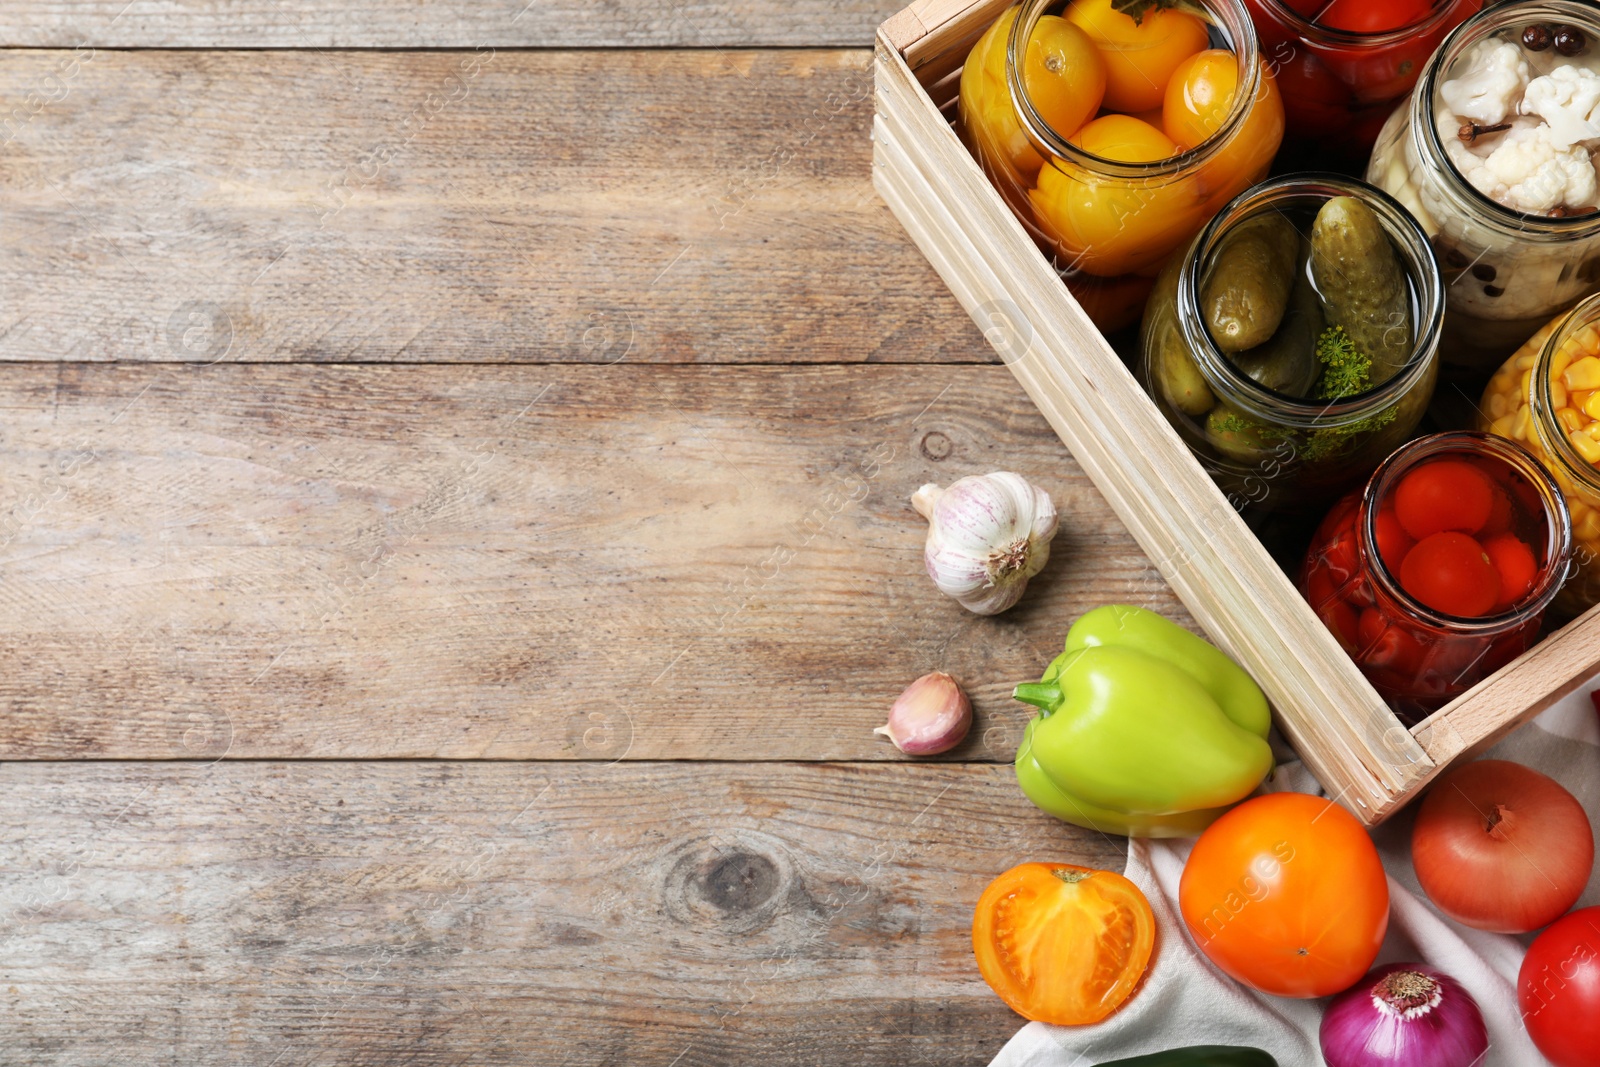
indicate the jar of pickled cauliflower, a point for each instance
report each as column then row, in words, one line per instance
column 1115, row 128
column 1547, row 398
column 1494, row 155
column 1295, row 344
column 1439, row 572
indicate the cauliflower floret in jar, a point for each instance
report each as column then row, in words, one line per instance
column 1496, row 74
column 1568, row 99
column 1530, row 172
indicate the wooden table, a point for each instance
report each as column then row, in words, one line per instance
column 456, row 545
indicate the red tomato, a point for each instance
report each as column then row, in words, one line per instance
column 1558, row 990
column 1318, row 586
column 1450, row 572
column 1502, row 514
column 1393, row 541
column 1286, row 894
column 1447, row 494
column 1515, row 563
column 1340, row 556
column 1374, row 16
column 1499, row 846
column 1387, row 647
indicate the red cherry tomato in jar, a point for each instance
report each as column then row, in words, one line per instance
column 1340, row 557
column 1374, row 16
column 1558, row 989
column 1450, row 572
column 1447, row 494
column 1515, row 563
column 1340, row 619
column 1393, row 541
column 1386, row 647
column 1502, row 514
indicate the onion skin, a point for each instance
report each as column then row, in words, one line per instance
column 1498, row 846
column 1367, row 1024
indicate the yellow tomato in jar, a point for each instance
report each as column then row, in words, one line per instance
column 1109, row 226
column 1140, row 53
column 1199, row 100
column 1065, row 77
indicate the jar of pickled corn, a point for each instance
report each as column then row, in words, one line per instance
column 1439, row 572
column 1115, row 128
column 1547, row 398
column 1295, row 344
column 1493, row 155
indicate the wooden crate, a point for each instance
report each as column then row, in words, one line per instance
column 1362, row 753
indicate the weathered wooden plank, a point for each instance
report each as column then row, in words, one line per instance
column 442, row 23
column 510, row 562
column 506, row 913
column 465, row 207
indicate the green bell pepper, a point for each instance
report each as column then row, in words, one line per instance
column 1200, row 1056
column 1144, row 729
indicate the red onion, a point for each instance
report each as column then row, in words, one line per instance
column 1404, row 1015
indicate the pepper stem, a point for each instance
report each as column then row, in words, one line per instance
column 1045, row 696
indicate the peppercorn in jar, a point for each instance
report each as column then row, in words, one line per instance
column 1115, row 128
column 1547, row 398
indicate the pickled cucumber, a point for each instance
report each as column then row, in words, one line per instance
column 1239, row 437
column 1172, row 369
column 1363, row 284
column 1288, row 362
column 1246, row 292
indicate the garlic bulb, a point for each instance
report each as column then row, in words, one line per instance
column 987, row 535
column 930, row 717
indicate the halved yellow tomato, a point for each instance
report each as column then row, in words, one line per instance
column 1063, row 944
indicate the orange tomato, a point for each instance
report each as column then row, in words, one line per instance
column 1065, row 77
column 1110, row 226
column 1140, row 54
column 1062, row 944
column 1286, row 894
column 1199, row 99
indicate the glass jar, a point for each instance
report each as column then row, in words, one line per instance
column 1113, row 141
column 1372, row 582
column 1508, row 268
column 1280, row 451
column 1339, row 86
column 1545, row 398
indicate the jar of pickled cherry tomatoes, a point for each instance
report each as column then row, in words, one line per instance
column 1438, row 573
column 1115, row 128
column 1343, row 65
column 1295, row 344
column 1547, row 398
column 1493, row 155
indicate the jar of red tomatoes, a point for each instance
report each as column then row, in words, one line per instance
column 1115, row 128
column 1343, row 65
column 1438, row 573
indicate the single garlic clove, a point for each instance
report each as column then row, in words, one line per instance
column 987, row 535
column 930, row 717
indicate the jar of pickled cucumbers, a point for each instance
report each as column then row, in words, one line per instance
column 1494, row 156
column 1115, row 128
column 1343, row 65
column 1547, row 398
column 1294, row 345
column 1439, row 572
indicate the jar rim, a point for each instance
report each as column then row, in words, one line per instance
column 1425, row 128
column 1558, row 527
column 1303, row 413
column 1242, row 34
column 1543, row 410
column 1317, row 33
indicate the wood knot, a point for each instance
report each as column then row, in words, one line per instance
column 738, row 881
column 936, row 446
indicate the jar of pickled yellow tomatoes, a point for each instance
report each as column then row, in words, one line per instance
column 1295, row 344
column 1547, row 397
column 1115, row 128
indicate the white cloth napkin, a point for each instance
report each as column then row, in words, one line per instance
column 1187, row 1001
